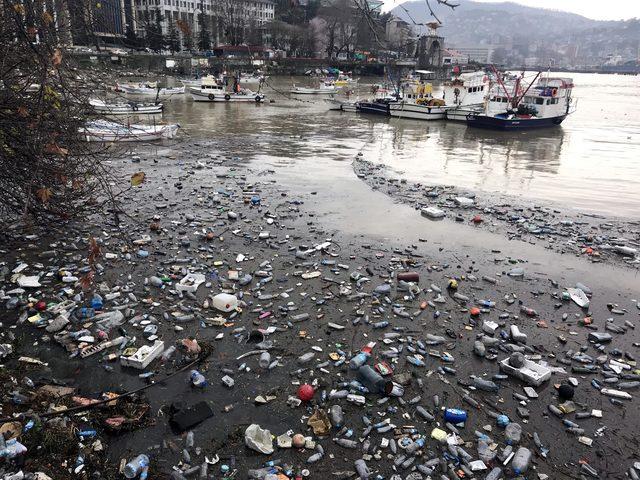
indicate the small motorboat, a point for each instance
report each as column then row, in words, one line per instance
column 105, row 131
column 325, row 88
column 211, row 90
column 340, row 106
column 251, row 78
column 125, row 108
column 146, row 89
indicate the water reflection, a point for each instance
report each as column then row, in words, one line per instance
column 585, row 164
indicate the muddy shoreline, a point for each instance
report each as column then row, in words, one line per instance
column 189, row 190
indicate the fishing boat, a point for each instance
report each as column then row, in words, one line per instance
column 465, row 93
column 546, row 104
column 211, row 90
column 325, row 88
column 149, row 90
column 416, row 102
column 128, row 108
column 377, row 106
column 105, row 131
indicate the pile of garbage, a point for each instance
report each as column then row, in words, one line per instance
column 253, row 345
column 586, row 235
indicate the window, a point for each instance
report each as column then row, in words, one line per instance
column 539, row 101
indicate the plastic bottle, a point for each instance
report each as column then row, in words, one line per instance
column 265, row 360
column 136, row 466
column 495, row 474
column 485, row 385
column 336, row 415
column 373, row 380
column 224, row 302
column 197, row 379
column 521, row 460
column 359, row 359
column 415, row 446
column 513, row 432
column 166, row 355
column 362, row 470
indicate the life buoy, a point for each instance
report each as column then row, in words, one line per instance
column 227, row 97
column 258, row 99
column 554, row 92
column 211, row 96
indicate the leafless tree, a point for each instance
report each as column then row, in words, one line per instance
column 47, row 169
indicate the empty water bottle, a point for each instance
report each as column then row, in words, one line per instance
column 197, row 379
column 265, row 360
column 513, row 432
column 495, row 474
column 336, row 415
column 136, row 466
column 521, row 460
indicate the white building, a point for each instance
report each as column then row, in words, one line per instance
column 480, row 54
column 241, row 17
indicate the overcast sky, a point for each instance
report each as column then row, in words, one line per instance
column 598, row 9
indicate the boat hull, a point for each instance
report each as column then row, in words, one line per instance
column 313, row 91
column 127, row 110
column 227, row 97
column 498, row 123
column 460, row 114
column 374, row 108
column 132, row 134
column 416, row 112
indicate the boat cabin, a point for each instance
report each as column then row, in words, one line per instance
column 210, row 84
column 550, row 97
column 468, row 88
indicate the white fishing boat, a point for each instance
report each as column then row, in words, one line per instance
column 325, row 88
column 416, row 102
column 105, row 131
column 465, row 94
column 146, row 89
column 521, row 107
column 128, row 108
column 213, row 91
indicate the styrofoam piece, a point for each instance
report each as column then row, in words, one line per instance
column 464, row 201
column 144, row 356
column 28, row 282
column 191, row 282
column 531, row 373
column 432, row 212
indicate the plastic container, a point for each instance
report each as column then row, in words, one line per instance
column 455, row 415
column 513, row 433
column 374, row 382
column 336, row 416
column 521, row 460
column 136, row 466
column 197, row 379
column 224, row 302
column 265, row 360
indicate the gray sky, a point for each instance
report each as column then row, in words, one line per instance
column 598, row 9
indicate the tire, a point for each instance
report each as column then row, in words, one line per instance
column 227, row 97
column 211, row 96
column 258, row 99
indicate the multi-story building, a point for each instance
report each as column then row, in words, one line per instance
column 481, row 54
column 231, row 21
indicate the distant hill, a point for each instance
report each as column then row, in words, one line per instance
column 507, row 23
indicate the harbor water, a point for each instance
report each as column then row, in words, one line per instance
column 589, row 164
